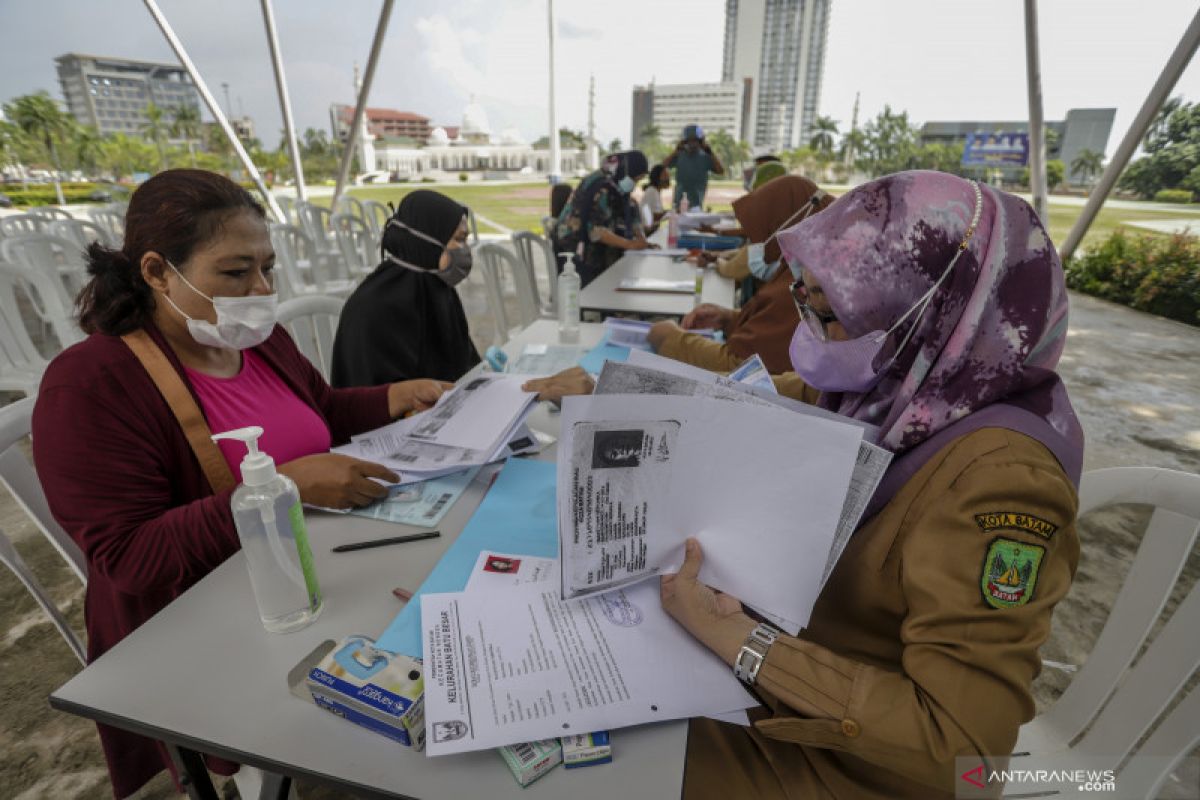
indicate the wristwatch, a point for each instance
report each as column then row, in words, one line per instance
column 750, row 658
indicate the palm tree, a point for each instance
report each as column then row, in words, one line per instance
column 733, row 153
column 1087, row 164
column 824, row 129
column 156, row 130
column 187, row 127
column 40, row 118
column 88, row 146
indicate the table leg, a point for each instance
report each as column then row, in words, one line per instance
column 193, row 775
column 275, row 787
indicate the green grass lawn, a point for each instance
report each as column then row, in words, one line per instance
column 522, row 206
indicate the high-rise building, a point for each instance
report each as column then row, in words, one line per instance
column 111, row 94
column 777, row 49
column 643, row 112
column 712, row 106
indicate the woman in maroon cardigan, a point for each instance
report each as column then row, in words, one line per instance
column 117, row 469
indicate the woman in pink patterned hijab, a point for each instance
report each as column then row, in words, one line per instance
column 983, row 351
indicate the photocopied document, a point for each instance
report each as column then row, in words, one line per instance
column 422, row 504
column 546, row 359
column 474, row 415
column 524, row 664
column 638, row 474
column 870, row 464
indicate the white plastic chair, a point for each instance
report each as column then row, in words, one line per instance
column 288, row 206
column 528, row 245
column 21, row 365
column 52, row 213
column 495, row 260
column 314, row 221
column 81, row 232
column 356, row 245
column 22, row 224
column 376, row 215
column 52, row 271
column 18, row 476
column 348, row 204
column 1111, row 703
column 303, row 267
column 112, row 222
column 312, row 322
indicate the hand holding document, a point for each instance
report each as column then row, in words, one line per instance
column 471, row 425
column 636, row 477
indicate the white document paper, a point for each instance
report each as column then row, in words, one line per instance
column 475, row 415
column 501, row 571
column 870, row 465
column 637, row 476
column 523, row 664
column 546, row 359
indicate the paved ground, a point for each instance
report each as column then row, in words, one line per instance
column 1135, row 381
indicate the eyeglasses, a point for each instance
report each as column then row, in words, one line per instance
column 815, row 320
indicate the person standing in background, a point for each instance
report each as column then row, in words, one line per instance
column 692, row 160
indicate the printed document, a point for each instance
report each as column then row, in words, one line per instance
column 638, row 474
column 475, row 415
column 523, row 664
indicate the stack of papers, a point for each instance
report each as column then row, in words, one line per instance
column 652, row 458
column 471, row 425
column 633, row 333
column 657, row 285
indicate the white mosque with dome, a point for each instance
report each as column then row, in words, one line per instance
column 472, row 148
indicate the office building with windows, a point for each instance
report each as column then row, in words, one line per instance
column 111, row 94
column 776, row 50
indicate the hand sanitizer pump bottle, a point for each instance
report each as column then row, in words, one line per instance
column 270, row 523
column 568, row 301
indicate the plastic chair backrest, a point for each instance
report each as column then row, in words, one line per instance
column 376, row 215
column 294, row 257
column 21, row 365
column 52, row 213
column 355, row 243
column 497, row 259
column 80, row 231
column 22, row 224
column 348, row 204
column 312, row 322
column 314, row 221
column 528, row 245
column 112, row 221
column 1114, row 703
column 288, row 206
column 53, row 271
column 19, row 477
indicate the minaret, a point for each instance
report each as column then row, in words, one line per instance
column 849, row 155
column 366, row 142
column 555, row 166
column 593, row 150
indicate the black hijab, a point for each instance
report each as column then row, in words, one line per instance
column 400, row 323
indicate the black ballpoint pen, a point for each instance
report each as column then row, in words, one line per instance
column 412, row 537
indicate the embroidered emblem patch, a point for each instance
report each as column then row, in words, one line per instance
column 1016, row 521
column 1010, row 571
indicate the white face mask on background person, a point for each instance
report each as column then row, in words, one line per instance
column 626, row 184
column 759, row 267
column 242, row 322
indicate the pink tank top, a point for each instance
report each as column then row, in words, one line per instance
column 257, row 396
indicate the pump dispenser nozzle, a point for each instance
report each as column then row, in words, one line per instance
column 258, row 468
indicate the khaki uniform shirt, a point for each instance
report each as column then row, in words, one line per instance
column 923, row 644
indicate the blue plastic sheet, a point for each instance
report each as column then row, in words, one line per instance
column 518, row 515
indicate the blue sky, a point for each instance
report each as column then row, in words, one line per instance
column 939, row 59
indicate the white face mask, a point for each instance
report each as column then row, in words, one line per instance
column 242, row 322
column 759, row 267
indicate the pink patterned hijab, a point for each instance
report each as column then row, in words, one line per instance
column 983, row 353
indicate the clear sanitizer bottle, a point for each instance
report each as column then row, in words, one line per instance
column 270, row 524
column 568, row 301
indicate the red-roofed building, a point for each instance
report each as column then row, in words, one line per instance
column 387, row 123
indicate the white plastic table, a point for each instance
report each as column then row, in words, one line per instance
column 204, row 676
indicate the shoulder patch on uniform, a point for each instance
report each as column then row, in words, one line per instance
column 1010, row 572
column 1016, row 521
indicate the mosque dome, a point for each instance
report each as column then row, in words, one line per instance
column 475, row 127
column 511, row 136
column 439, row 136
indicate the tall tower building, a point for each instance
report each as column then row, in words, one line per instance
column 776, row 48
column 111, row 94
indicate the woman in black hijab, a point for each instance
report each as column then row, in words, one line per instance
column 405, row 318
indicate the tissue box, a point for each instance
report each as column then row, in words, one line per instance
column 372, row 688
column 531, row 760
column 586, row 750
